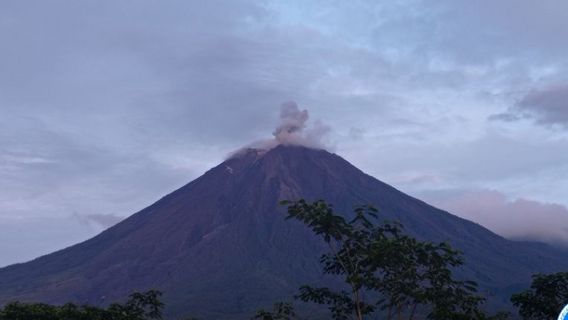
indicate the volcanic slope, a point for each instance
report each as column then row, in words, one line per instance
column 219, row 247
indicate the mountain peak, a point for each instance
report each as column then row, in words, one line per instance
column 259, row 152
column 219, row 247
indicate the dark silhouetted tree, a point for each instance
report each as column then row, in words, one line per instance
column 546, row 297
column 140, row 306
column 386, row 271
column 280, row 311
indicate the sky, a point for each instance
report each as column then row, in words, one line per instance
column 106, row 106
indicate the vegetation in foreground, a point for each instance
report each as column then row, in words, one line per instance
column 140, row 306
column 546, row 297
column 386, row 275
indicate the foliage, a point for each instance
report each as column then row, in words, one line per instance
column 385, row 270
column 546, row 297
column 140, row 306
column 280, row 311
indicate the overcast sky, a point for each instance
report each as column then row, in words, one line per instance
column 105, row 106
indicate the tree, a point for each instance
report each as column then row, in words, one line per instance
column 546, row 297
column 280, row 311
column 140, row 306
column 385, row 270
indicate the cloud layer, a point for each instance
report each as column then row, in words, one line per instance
column 515, row 219
column 546, row 106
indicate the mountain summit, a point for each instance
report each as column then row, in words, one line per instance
column 219, row 247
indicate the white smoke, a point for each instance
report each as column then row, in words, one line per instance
column 292, row 123
column 294, row 129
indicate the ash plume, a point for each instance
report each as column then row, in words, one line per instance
column 293, row 129
column 292, row 123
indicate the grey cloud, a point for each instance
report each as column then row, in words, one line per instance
column 485, row 159
column 546, row 106
column 516, row 219
column 486, row 31
column 110, row 66
column 47, row 173
column 506, row 117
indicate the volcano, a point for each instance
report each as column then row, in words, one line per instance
column 219, row 247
